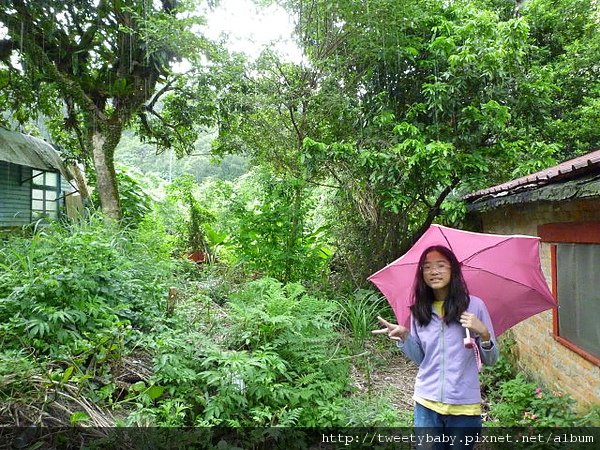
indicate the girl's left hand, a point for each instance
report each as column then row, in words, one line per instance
column 472, row 322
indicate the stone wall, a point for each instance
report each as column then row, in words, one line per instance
column 539, row 354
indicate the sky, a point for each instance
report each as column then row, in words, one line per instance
column 250, row 28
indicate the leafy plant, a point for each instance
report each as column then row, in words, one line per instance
column 524, row 403
column 375, row 411
column 193, row 229
column 517, row 401
column 272, row 228
column 358, row 314
column 247, row 364
column 592, row 417
column 135, row 202
column 72, row 290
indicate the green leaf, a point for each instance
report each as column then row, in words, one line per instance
column 155, row 391
column 137, row 387
column 78, row 417
column 67, row 374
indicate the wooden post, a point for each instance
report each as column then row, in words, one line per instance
column 171, row 301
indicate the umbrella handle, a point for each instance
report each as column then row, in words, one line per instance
column 468, row 341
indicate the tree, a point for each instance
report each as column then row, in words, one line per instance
column 201, row 163
column 93, row 68
column 567, row 37
column 404, row 107
column 265, row 112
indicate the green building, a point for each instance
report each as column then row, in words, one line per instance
column 33, row 180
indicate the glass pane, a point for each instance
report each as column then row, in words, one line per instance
column 37, row 205
column 38, row 177
column 51, row 195
column 51, row 179
column 51, row 206
column 579, row 295
column 53, row 214
column 36, row 215
column 37, row 194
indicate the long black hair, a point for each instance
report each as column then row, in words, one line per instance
column 458, row 295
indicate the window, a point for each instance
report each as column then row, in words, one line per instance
column 575, row 255
column 45, row 189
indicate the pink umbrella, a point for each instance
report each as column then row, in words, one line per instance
column 503, row 270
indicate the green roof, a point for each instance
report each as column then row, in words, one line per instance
column 25, row 150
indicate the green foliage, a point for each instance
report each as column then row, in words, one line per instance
column 592, row 417
column 284, row 319
column 517, row 401
column 76, row 290
column 372, row 411
column 402, row 108
column 358, row 314
column 193, row 229
column 272, row 228
column 169, row 166
column 522, row 403
column 568, row 46
column 274, row 359
column 135, row 201
column 406, row 107
column 16, row 370
column 78, row 417
column 90, row 72
column 492, row 376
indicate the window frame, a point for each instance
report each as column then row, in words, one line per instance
column 45, row 188
column 567, row 233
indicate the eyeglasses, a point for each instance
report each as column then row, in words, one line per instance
column 441, row 267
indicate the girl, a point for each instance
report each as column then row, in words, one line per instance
column 447, row 392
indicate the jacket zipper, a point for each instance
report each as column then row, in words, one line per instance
column 443, row 363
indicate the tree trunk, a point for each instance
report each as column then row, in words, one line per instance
column 103, row 148
column 80, row 180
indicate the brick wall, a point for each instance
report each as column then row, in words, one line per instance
column 538, row 353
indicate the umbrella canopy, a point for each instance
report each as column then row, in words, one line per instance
column 503, row 270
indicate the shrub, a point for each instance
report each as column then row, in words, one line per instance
column 524, row 403
column 273, row 231
column 70, row 289
column 270, row 356
column 299, row 328
column 358, row 314
column 517, row 401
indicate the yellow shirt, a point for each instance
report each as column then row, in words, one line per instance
column 438, row 307
column 473, row 409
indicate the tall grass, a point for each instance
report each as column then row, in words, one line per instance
column 358, row 314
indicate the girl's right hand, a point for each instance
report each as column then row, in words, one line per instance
column 394, row 331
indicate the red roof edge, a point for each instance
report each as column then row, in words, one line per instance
column 564, row 170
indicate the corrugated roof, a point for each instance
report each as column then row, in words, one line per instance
column 588, row 163
column 25, row 150
column 584, row 187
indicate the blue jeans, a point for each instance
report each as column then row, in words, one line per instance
column 437, row 431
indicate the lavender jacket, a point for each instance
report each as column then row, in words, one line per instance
column 448, row 370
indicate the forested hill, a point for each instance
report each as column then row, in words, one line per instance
column 147, row 159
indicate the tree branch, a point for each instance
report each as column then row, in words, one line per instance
column 166, row 124
column 167, row 87
column 74, row 124
column 50, row 68
column 323, row 185
column 432, row 213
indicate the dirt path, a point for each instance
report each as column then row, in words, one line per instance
column 393, row 373
column 390, row 372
